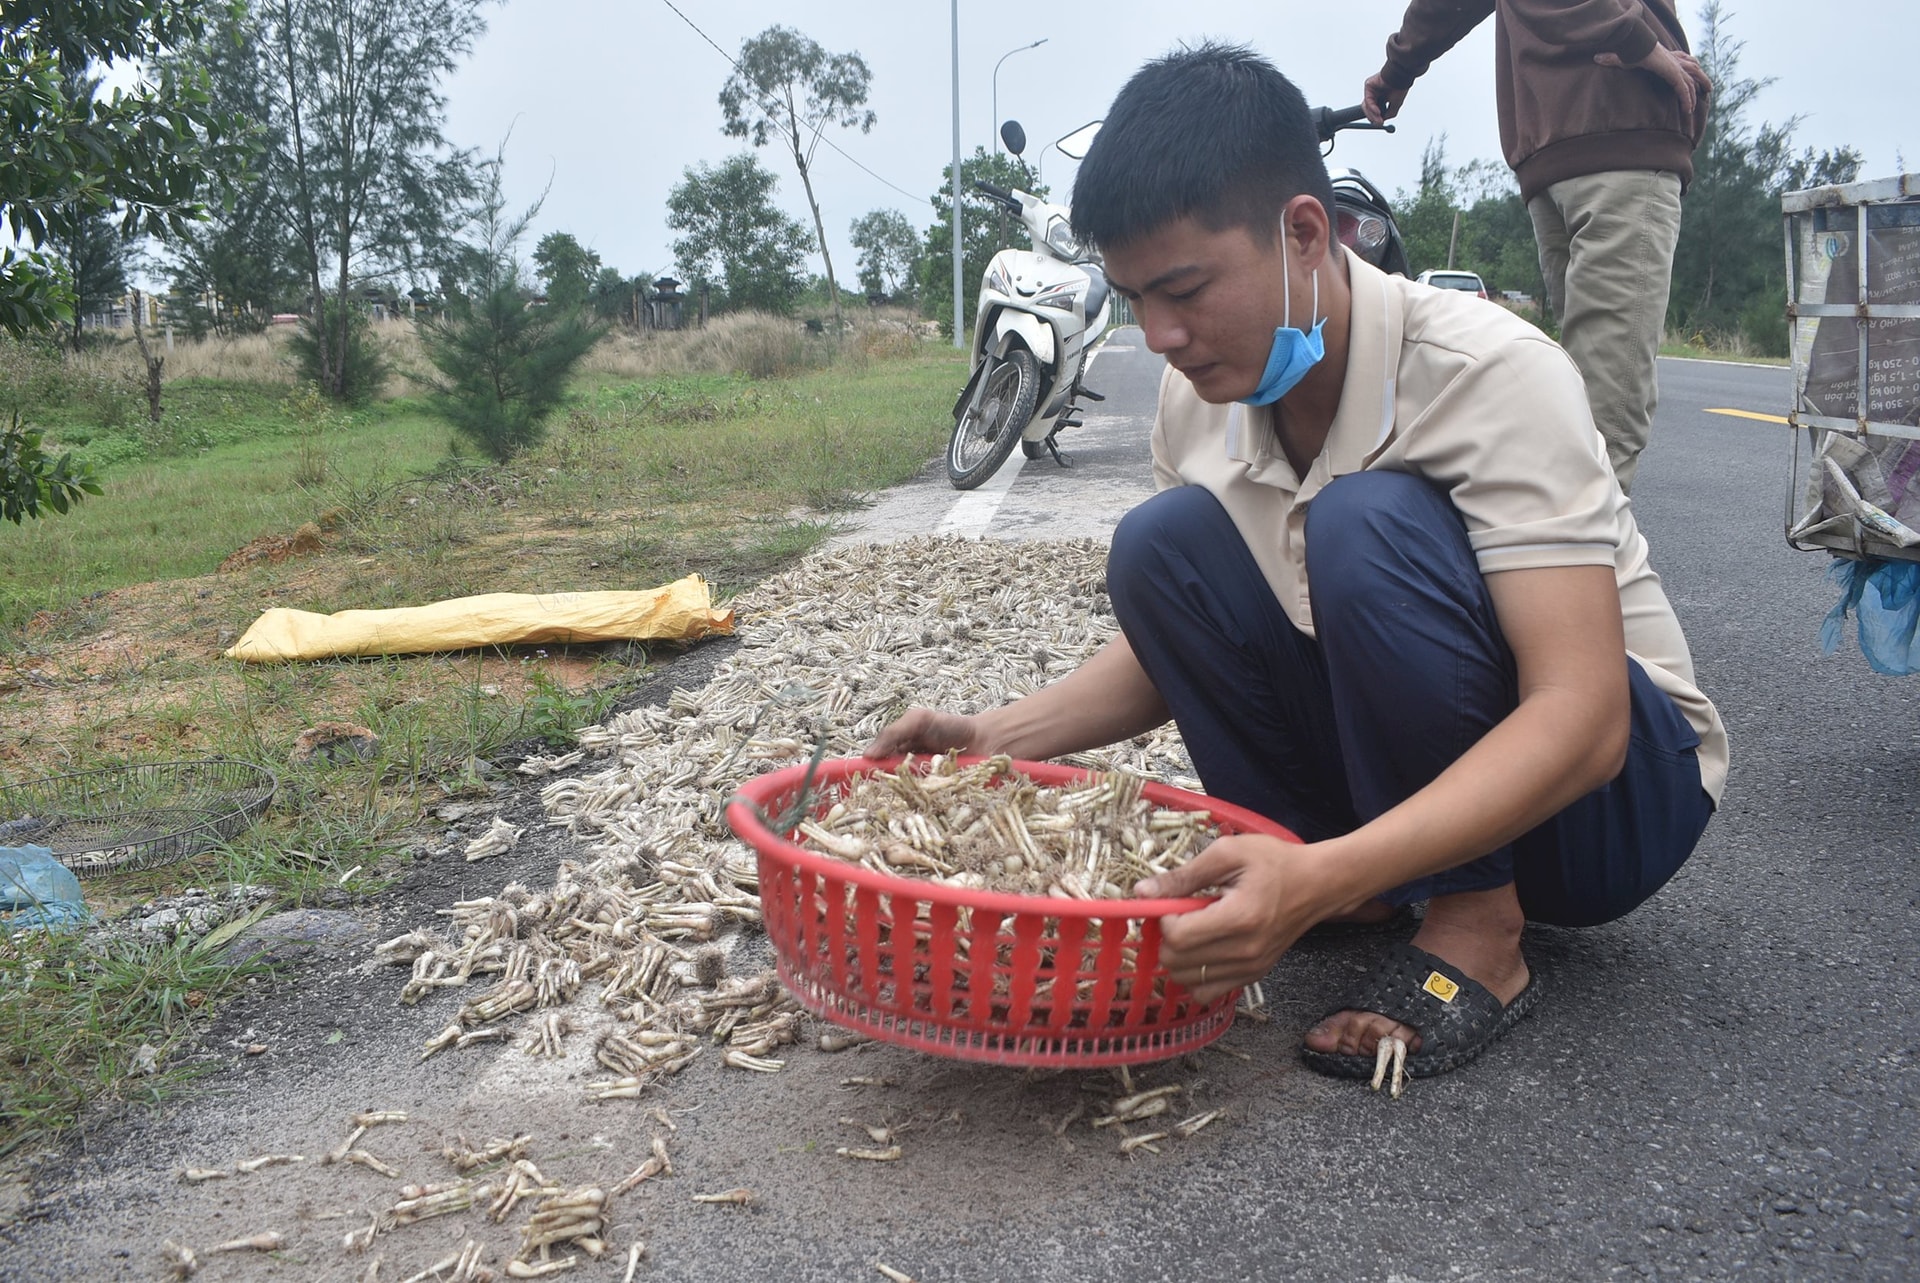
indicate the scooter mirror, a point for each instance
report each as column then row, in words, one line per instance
column 1075, row 144
column 1014, row 137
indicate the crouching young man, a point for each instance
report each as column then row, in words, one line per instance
column 1388, row 589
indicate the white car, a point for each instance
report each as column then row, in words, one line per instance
column 1449, row 279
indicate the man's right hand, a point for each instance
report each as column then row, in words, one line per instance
column 1381, row 99
column 1682, row 72
column 927, row 730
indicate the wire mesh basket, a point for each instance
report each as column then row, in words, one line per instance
column 124, row 818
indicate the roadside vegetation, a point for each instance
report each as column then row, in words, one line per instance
column 729, row 451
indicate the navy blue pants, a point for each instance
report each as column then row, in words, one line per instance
column 1408, row 670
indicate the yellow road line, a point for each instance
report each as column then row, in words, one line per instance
column 1748, row 414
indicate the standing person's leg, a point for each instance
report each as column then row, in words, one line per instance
column 1618, row 231
column 1551, row 240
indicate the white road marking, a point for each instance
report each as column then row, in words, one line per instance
column 1741, row 365
column 975, row 510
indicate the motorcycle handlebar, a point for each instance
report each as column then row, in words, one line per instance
column 1327, row 122
column 1000, row 194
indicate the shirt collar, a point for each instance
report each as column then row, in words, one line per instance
column 1364, row 421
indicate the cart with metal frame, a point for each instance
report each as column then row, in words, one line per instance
column 1853, row 282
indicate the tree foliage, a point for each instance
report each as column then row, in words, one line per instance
column 1496, row 233
column 83, row 239
column 980, row 225
column 566, row 267
column 612, row 295
column 889, row 252
column 734, row 237
column 1729, row 275
column 149, row 155
column 32, row 482
column 145, row 158
column 356, row 162
column 95, row 256
column 786, row 86
column 335, row 342
column 501, row 362
column 239, row 265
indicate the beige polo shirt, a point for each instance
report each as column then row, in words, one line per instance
column 1461, row 392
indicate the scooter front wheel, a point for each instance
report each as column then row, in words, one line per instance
column 985, row 433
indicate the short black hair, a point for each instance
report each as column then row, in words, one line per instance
column 1214, row 133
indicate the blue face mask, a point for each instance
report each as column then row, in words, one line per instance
column 1294, row 352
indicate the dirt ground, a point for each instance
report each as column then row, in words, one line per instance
column 138, row 672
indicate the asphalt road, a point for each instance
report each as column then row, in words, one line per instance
column 1722, row 1082
column 1719, row 1085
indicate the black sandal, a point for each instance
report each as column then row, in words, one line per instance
column 1457, row 1016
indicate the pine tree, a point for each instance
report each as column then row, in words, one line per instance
column 501, row 363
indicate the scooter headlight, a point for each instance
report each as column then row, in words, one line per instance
column 1065, row 297
column 1060, row 239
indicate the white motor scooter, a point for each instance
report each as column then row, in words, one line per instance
column 1040, row 313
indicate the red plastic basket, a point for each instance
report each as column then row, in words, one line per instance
column 972, row 974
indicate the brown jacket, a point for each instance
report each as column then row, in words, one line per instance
column 1562, row 115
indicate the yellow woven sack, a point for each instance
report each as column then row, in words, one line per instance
column 681, row 611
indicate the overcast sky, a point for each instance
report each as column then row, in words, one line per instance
column 612, row 99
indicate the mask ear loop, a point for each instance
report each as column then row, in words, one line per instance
column 1286, row 292
column 1286, row 287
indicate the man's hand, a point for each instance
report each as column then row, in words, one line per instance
column 1381, row 99
column 1105, row 700
column 927, row 730
column 1273, row 892
column 1681, row 71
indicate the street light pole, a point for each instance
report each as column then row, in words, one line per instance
column 996, row 85
column 959, row 252
column 1000, row 241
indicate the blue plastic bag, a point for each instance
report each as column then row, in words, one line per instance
column 37, row 890
column 1884, row 597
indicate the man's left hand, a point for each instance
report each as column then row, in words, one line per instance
column 1271, row 895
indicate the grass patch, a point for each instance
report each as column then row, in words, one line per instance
column 667, row 460
column 1726, row 352
column 682, row 455
column 75, row 1018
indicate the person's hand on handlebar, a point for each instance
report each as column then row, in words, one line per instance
column 1381, row 99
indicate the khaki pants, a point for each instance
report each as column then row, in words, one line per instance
column 1606, row 250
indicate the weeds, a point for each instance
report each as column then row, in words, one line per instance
column 325, row 834
column 75, row 1015
column 554, row 713
column 1720, row 345
column 307, row 407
